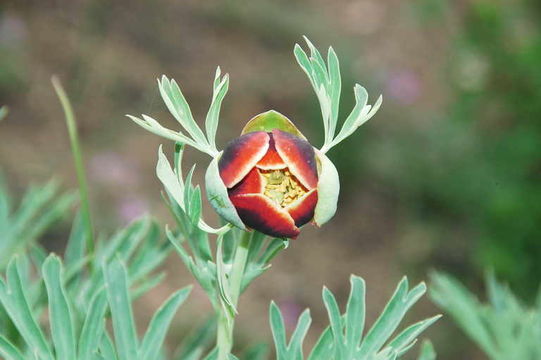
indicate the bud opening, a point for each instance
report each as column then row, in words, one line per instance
column 282, row 187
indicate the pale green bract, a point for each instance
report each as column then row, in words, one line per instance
column 328, row 188
column 218, row 197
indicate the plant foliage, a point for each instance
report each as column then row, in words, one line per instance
column 503, row 328
column 326, row 81
column 88, row 339
column 343, row 338
column 21, row 226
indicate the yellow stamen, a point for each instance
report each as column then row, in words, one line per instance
column 282, row 187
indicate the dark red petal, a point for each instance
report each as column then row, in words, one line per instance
column 262, row 214
column 271, row 160
column 251, row 184
column 302, row 210
column 299, row 156
column 241, row 155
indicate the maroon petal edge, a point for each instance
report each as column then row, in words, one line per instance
column 241, row 155
column 299, row 156
column 262, row 214
column 302, row 210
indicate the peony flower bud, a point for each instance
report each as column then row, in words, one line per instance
column 272, row 180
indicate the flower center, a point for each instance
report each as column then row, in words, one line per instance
column 282, row 187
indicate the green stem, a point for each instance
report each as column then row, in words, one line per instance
column 79, row 164
column 226, row 322
column 239, row 264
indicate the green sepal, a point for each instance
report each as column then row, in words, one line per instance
column 269, row 121
column 218, row 197
column 328, row 188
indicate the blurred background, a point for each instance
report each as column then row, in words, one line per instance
column 446, row 176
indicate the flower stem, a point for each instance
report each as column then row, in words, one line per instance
column 79, row 164
column 226, row 322
column 239, row 264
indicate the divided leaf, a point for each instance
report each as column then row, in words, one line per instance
column 342, row 339
column 327, row 83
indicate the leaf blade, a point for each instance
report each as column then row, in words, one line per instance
column 15, row 301
column 60, row 313
column 121, row 310
column 9, row 351
column 93, row 326
column 159, row 324
column 278, row 331
column 355, row 314
column 337, row 326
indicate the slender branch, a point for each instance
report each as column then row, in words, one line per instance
column 239, row 265
column 78, row 160
column 224, row 335
column 226, row 322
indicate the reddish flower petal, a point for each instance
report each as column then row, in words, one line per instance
column 302, row 210
column 299, row 156
column 241, row 155
column 251, row 184
column 271, row 160
column 263, row 215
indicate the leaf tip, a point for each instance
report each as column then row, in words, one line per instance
column 326, row 291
